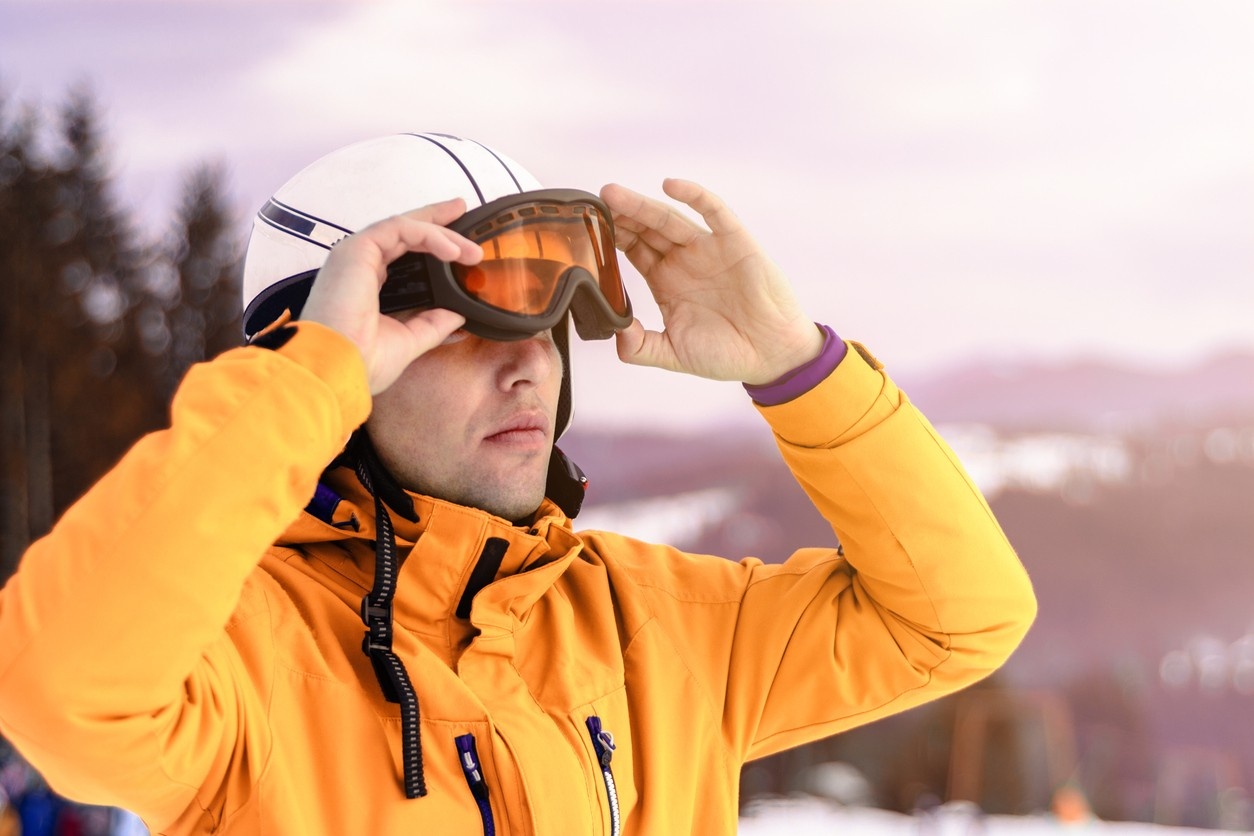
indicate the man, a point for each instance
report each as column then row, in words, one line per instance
column 170, row 648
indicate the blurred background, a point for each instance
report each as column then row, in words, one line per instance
column 1039, row 216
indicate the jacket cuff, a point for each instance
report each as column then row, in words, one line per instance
column 856, row 396
column 803, row 378
column 332, row 358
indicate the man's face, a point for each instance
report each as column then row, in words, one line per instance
column 472, row 422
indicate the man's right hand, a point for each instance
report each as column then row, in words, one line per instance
column 345, row 293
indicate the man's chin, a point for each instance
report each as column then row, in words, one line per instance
column 508, row 501
column 509, row 487
column 518, row 512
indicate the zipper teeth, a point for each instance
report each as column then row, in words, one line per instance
column 603, row 745
column 611, row 790
column 468, row 757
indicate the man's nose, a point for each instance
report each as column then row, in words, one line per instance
column 528, row 362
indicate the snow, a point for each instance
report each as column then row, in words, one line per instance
column 672, row 519
column 1038, row 461
column 812, row 817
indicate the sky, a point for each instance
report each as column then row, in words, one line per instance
column 947, row 183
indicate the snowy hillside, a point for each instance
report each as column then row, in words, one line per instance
column 811, row 817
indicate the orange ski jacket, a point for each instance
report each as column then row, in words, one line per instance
column 186, row 642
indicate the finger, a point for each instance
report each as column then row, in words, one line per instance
column 645, row 233
column 419, row 236
column 653, row 214
column 400, row 234
column 650, row 238
column 436, row 214
column 652, row 245
column 629, row 233
column 656, row 241
column 643, row 257
column 432, row 327
column 640, row 347
column 717, row 216
column 401, row 343
column 441, row 212
column 625, row 222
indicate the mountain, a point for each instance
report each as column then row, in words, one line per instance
column 1087, row 395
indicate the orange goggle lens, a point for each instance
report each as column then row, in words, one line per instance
column 528, row 249
column 546, row 253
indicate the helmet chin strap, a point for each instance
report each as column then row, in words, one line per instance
column 565, row 398
column 567, row 484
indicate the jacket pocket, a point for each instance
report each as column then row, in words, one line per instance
column 604, row 728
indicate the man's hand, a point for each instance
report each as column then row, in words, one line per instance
column 727, row 310
column 345, row 294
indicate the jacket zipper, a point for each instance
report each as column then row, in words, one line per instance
column 603, row 744
column 468, row 756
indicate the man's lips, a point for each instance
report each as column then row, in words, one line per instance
column 524, row 428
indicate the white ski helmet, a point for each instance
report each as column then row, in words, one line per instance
column 355, row 186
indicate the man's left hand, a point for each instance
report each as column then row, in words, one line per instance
column 728, row 312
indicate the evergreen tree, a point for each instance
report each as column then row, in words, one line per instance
column 105, row 391
column 97, row 326
column 26, row 320
column 204, row 253
column 51, row 255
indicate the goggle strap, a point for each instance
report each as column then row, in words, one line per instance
column 407, row 286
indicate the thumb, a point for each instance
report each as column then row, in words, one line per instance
column 640, row 347
column 432, row 327
column 406, row 341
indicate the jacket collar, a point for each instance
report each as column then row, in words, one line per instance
column 439, row 551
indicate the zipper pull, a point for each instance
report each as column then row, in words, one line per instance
column 603, row 746
column 602, row 741
column 606, row 746
column 468, row 758
column 470, row 767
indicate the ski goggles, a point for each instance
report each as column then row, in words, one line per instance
column 545, row 252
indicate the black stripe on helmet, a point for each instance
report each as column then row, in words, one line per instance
column 284, row 219
column 303, row 214
column 508, row 170
column 457, row 160
column 302, row 225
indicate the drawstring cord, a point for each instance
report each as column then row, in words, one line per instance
column 566, row 486
column 376, row 612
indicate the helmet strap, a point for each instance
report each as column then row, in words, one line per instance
column 567, row 484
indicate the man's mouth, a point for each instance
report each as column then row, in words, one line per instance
column 523, row 429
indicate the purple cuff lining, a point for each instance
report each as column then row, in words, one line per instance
column 803, row 378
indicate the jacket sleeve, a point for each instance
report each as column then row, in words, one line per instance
column 116, row 679
column 928, row 596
